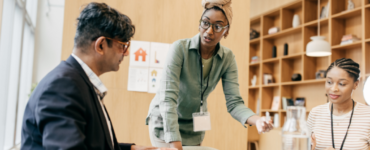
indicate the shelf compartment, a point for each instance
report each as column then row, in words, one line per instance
column 323, row 22
column 311, row 11
column 367, row 3
column 255, row 24
column 254, row 99
column 255, row 50
column 290, row 66
column 313, row 93
column 272, row 68
column 348, row 14
column 345, row 26
column 339, row 6
column 271, row 85
column 254, row 87
column 354, row 53
column 292, row 56
column 254, row 70
column 254, row 64
column 347, row 46
column 288, row 12
column 367, row 22
column 293, row 39
column 312, row 65
column 271, row 19
column 268, row 94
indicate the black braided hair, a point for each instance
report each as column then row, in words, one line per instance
column 347, row 64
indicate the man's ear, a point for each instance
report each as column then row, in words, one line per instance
column 100, row 45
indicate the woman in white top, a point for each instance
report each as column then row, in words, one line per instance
column 341, row 124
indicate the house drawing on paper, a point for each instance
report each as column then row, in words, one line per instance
column 153, row 80
column 154, row 73
column 142, row 53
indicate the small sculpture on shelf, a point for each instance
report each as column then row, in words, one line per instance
column 274, row 52
column 351, row 5
column 296, row 77
column 296, row 21
column 267, row 79
column 254, row 80
column 285, row 49
column 273, row 30
column 253, row 34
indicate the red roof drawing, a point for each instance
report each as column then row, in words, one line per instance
column 140, row 52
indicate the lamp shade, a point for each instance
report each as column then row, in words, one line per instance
column 366, row 91
column 318, row 47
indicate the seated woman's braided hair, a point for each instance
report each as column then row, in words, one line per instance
column 347, row 64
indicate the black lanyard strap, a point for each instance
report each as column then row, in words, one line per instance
column 350, row 120
column 201, row 78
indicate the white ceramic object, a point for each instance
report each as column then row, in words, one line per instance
column 197, row 148
column 351, row 5
column 366, row 91
column 254, row 80
column 296, row 21
column 318, row 47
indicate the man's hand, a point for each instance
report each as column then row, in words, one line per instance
column 313, row 141
column 176, row 144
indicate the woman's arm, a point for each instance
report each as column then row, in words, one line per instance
column 168, row 94
column 235, row 103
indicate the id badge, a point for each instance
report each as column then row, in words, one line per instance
column 201, row 121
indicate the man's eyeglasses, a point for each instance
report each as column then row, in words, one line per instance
column 125, row 45
column 216, row 27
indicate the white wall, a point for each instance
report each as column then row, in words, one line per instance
column 48, row 34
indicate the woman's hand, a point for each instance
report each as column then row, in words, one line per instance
column 260, row 123
column 176, row 144
column 313, row 141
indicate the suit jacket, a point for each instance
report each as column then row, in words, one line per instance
column 64, row 112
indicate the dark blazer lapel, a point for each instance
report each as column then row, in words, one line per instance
column 116, row 145
column 72, row 61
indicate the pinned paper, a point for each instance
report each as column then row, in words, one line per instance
column 158, row 54
column 139, row 54
column 138, row 79
column 155, row 75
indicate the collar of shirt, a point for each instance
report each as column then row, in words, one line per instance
column 99, row 86
column 195, row 44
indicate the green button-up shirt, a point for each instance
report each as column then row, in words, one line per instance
column 179, row 94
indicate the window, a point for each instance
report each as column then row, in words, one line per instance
column 16, row 64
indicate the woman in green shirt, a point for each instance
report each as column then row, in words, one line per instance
column 185, row 84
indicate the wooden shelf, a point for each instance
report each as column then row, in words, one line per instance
column 254, row 64
column 304, row 82
column 255, row 41
column 255, row 20
column 367, row 6
column 284, row 33
column 367, row 40
column 323, row 22
column 254, row 87
column 269, row 110
column 292, row 56
column 271, row 85
column 270, row 60
column 347, row 46
column 348, row 14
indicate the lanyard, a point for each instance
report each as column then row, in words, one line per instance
column 201, row 78
column 350, row 120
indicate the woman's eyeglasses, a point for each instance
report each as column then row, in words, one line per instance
column 216, row 27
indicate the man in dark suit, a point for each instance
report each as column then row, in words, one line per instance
column 66, row 110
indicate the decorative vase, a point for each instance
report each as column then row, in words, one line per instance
column 296, row 21
column 351, row 5
column 285, row 49
column 274, row 52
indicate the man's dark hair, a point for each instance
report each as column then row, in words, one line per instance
column 99, row 19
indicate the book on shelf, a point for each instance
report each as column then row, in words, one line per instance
column 287, row 102
column 275, row 103
column 349, row 38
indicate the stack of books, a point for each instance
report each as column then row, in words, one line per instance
column 348, row 39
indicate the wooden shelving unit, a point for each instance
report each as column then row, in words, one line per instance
column 338, row 23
